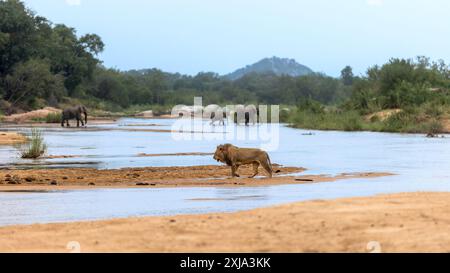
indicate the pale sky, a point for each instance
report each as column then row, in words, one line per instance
column 190, row 36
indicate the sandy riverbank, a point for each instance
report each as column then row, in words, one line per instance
column 409, row 222
column 91, row 124
column 198, row 176
column 11, row 138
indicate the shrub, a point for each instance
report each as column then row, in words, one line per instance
column 328, row 120
column 375, row 118
column 53, row 118
column 311, row 106
column 434, row 110
column 433, row 127
column 397, row 122
column 351, row 122
column 36, row 147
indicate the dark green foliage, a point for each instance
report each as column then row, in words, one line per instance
column 420, row 89
column 41, row 62
column 401, row 83
column 347, row 75
column 32, row 80
column 45, row 64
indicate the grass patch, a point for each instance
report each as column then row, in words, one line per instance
column 36, row 146
column 50, row 118
column 53, row 118
column 426, row 119
column 327, row 120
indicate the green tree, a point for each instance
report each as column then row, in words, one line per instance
column 110, row 87
column 32, row 80
column 17, row 34
column 347, row 75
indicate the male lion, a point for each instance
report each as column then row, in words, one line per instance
column 235, row 157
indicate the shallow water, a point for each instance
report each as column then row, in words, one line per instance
column 421, row 164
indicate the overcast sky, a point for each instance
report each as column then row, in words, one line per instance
column 189, row 36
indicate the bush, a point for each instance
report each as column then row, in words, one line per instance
column 433, row 127
column 50, row 118
column 351, row 122
column 434, row 110
column 375, row 119
column 36, row 147
column 311, row 106
column 328, row 120
column 401, row 122
column 53, row 118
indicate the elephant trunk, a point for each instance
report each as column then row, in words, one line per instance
column 85, row 117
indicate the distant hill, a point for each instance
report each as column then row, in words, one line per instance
column 278, row 66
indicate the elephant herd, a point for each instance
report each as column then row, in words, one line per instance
column 240, row 114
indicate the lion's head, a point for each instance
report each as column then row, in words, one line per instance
column 221, row 154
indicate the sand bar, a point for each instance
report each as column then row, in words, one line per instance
column 411, row 222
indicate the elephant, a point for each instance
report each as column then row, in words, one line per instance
column 215, row 113
column 245, row 114
column 74, row 113
column 251, row 115
column 218, row 117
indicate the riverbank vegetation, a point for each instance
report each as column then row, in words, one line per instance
column 50, row 118
column 410, row 96
column 45, row 64
column 36, row 146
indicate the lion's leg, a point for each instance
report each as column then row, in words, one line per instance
column 255, row 169
column 267, row 167
column 234, row 170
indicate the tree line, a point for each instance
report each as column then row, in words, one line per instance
column 403, row 95
column 47, row 64
column 42, row 64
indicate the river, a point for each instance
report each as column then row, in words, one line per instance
column 420, row 164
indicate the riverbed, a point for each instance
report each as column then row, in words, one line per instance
column 420, row 164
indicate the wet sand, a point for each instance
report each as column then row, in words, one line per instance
column 10, row 138
column 138, row 155
column 408, row 222
column 93, row 126
column 175, row 154
column 194, row 176
column 92, row 122
column 141, row 125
